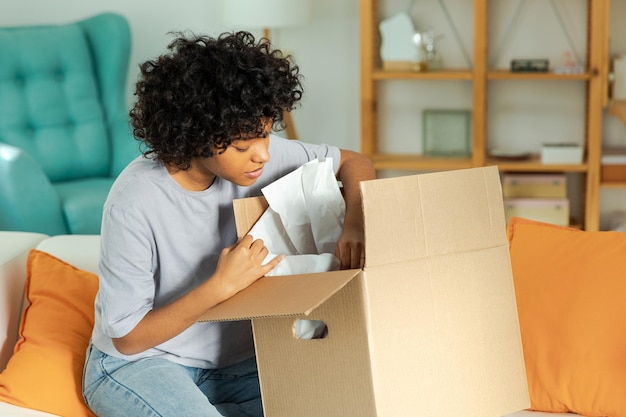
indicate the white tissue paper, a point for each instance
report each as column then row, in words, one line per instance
column 303, row 221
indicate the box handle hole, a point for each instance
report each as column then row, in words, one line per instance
column 310, row 329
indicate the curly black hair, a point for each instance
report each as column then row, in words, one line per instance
column 207, row 92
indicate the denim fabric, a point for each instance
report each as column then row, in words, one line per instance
column 154, row 387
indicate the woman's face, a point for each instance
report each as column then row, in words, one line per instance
column 241, row 163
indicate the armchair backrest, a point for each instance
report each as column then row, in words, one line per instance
column 62, row 95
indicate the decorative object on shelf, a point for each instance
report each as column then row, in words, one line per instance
column 530, row 65
column 617, row 105
column 618, row 92
column 569, row 65
column 617, row 108
column 267, row 15
column 428, row 56
column 561, row 153
column 446, row 132
column 397, row 48
column 509, row 154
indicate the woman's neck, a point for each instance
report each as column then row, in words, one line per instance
column 192, row 179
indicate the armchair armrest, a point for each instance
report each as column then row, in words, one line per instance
column 29, row 201
column 82, row 251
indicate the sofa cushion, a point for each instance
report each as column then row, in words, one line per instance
column 570, row 287
column 45, row 372
column 10, row 410
column 82, row 202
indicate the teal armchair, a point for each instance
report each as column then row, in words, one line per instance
column 64, row 131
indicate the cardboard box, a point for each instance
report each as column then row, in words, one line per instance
column 561, row 153
column 613, row 165
column 548, row 210
column 534, row 185
column 613, row 173
column 428, row 328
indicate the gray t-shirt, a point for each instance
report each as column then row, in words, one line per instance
column 160, row 240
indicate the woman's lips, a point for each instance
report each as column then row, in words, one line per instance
column 254, row 174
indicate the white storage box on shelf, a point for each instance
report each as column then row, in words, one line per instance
column 561, row 153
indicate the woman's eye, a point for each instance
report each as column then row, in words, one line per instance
column 241, row 149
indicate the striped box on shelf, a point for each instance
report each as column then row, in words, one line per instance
column 547, row 210
column 534, row 185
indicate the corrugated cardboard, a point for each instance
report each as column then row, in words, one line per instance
column 428, row 328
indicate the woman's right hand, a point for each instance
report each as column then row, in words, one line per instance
column 241, row 264
column 237, row 267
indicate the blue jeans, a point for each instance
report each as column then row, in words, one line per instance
column 153, row 387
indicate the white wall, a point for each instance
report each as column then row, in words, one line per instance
column 326, row 49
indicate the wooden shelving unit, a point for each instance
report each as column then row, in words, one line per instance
column 614, row 184
column 595, row 78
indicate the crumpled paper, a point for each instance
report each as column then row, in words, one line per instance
column 304, row 219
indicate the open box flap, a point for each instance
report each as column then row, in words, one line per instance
column 281, row 296
column 247, row 212
column 429, row 215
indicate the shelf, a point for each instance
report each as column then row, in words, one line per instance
column 534, row 165
column 613, row 184
column 468, row 75
column 418, row 162
column 446, row 75
column 508, row 75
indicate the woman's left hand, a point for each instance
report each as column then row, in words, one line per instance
column 351, row 248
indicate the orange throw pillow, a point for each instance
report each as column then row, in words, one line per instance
column 571, row 295
column 45, row 371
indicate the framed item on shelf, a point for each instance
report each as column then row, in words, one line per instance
column 446, row 132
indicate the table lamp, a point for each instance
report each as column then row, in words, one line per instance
column 267, row 15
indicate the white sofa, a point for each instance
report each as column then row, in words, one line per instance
column 80, row 251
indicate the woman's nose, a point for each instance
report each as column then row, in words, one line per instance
column 261, row 154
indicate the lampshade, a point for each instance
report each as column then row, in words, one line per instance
column 257, row 14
